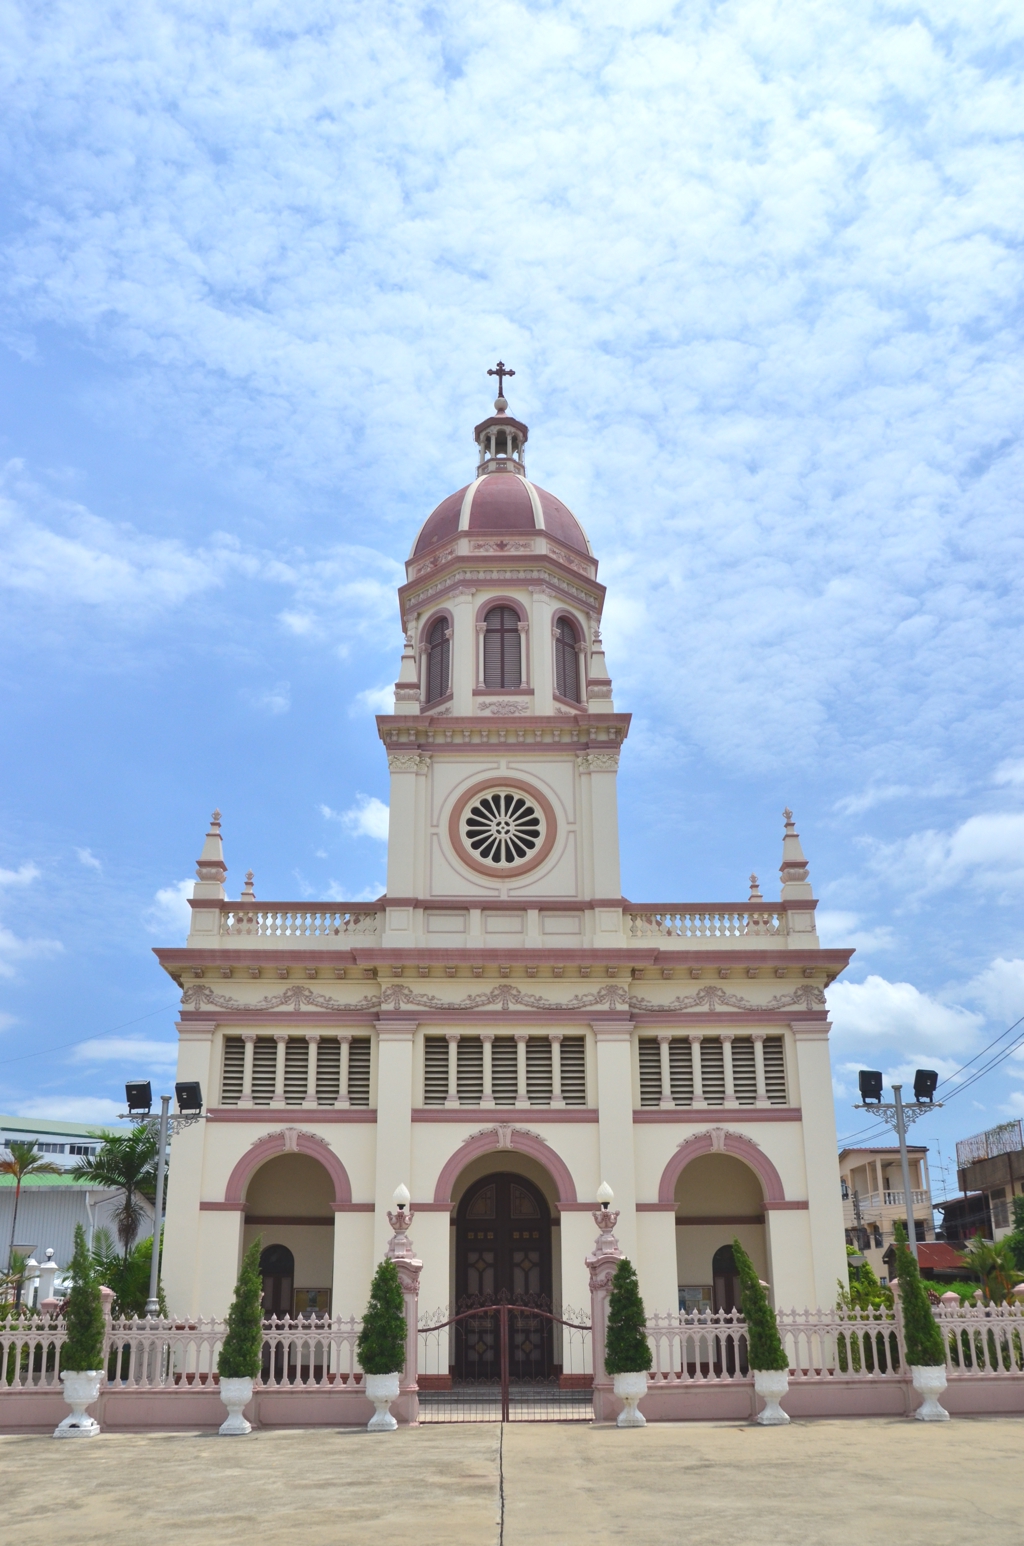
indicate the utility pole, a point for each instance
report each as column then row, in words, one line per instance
column 908, row 1197
column 153, row 1302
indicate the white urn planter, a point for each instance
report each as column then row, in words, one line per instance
column 771, row 1385
column 382, row 1389
column 930, row 1382
column 629, row 1388
column 81, row 1389
column 236, row 1395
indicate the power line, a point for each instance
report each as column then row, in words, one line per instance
column 62, row 1046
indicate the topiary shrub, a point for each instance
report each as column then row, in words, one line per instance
column 241, row 1355
column 764, row 1345
column 83, row 1350
column 921, row 1336
column 626, row 1348
column 381, row 1342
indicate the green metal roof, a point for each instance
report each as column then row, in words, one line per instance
column 35, row 1127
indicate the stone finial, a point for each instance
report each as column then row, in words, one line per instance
column 248, row 894
column 407, row 688
column 793, row 868
column 211, row 871
column 599, row 683
column 755, row 892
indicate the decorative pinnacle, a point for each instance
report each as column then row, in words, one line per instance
column 215, row 821
column 787, row 816
column 247, row 890
column 755, row 892
column 501, row 371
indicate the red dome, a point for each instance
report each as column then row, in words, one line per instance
column 502, row 503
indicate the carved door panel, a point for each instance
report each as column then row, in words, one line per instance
column 503, row 1252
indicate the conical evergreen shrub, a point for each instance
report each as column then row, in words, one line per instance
column 764, row 1345
column 921, row 1336
column 626, row 1348
column 83, row 1350
column 241, row 1355
column 381, row 1342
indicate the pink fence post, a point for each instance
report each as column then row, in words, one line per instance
column 601, row 1264
column 400, row 1251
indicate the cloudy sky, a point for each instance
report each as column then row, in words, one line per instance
column 757, row 267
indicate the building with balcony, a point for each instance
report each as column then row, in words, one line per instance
column 502, row 1030
column 990, row 1174
column 873, row 1198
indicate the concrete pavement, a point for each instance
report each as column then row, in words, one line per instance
column 812, row 1484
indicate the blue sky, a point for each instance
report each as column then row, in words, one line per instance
column 758, row 268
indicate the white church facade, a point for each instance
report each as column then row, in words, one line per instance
column 502, row 1032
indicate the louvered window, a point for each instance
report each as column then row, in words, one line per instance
column 650, row 1071
column 296, row 1070
column 435, row 1071
column 712, row 1070
column 567, row 672
column 538, row 1071
column 234, row 1068
column 328, row 1071
column 439, row 648
column 574, row 1070
column 504, row 1077
column 775, row 1070
column 744, row 1073
column 264, row 1070
column 502, row 649
column 359, row 1071
column 471, row 1070
column 680, row 1063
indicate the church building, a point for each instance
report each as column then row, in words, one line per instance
column 502, row 1031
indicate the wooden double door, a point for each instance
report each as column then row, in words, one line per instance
column 503, row 1254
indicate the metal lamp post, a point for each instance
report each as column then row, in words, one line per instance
column 899, row 1114
column 190, row 1110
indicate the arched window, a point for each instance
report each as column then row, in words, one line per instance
column 439, row 650
column 567, row 670
column 503, row 663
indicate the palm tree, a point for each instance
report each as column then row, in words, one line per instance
column 125, row 1162
column 24, row 1161
column 995, row 1264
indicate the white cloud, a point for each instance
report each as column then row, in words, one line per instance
column 837, row 928
column 985, row 853
column 857, row 804
column 142, row 1052
column 879, row 1015
column 375, row 700
column 999, row 989
column 14, row 950
column 22, row 876
column 367, row 818
column 276, row 700
column 71, row 1108
column 89, row 859
column 6, row 1021
column 339, row 893
column 170, row 912
column 1011, row 772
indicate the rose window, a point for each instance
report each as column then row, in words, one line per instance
column 503, row 827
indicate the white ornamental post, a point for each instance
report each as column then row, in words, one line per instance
column 409, row 1266
column 601, row 1265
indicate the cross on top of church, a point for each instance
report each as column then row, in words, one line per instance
column 501, row 371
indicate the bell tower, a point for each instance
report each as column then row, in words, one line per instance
column 504, row 744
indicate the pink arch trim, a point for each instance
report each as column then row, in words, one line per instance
column 276, row 1143
column 735, row 1144
column 523, row 1143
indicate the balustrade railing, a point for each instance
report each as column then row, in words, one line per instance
column 703, row 923
column 288, row 922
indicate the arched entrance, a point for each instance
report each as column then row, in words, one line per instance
column 289, row 1204
column 277, row 1269
column 726, row 1288
column 503, row 1253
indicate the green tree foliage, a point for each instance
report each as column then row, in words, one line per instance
column 764, row 1345
column 382, row 1340
column 241, row 1355
column 626, row 1348
column 1016, row 1238
column 83, row 1349
column 996, row 1266
column 863, row 1291
column 127, row 1275
column 125, row 1162
column 920, row 1333
column 23, row 1161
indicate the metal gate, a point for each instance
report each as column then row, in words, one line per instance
column 510, row 1361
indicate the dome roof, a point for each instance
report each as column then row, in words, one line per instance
column 501, row 504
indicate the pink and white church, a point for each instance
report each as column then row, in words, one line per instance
column 502, row 1031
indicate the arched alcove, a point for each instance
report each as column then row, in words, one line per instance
column 718, row 1198
column 289, row 1203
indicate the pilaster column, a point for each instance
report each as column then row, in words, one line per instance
column 481, row 629
column 762, row 1088
column 344, row 1044
column 524, row 654
column 313, row 1042
column 522, row 1099
column 281, row 1037
column 452, row 1098
column 698, row 1072
column 617, row 1160
column 487, row 1099
column 664, row 1043
column 395, row 1041
column 730, row 1090
column 557, row 1098
column 249, row 1042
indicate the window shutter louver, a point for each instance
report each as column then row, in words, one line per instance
column 264, row 1070
column 328, row 1071
column 680, row 1062
column 233, row 1071
column 296, row 1070
column 775, row 1070
column 650, row 1071
column 574, row 1070
column 744, row 1071
column 470, row 1070
column 435, row 1070
column 712, row 1070
column 504, row 1077
column 359, row 1071
column 538, row 1071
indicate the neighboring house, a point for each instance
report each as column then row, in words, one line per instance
column 872, row 1185
column 939, row 1263
column 51, row 1206
column 990, row 1174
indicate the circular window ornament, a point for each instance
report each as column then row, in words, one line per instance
column 502, row 829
